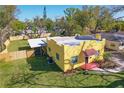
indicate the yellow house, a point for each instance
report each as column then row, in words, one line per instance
column 72, row 52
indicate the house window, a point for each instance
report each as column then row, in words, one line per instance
column 74, row 59
column 57, row 56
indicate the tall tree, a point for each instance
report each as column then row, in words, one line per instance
column 7, row 14
column 70, row 22
column 17, row 26
column 69, row 13
column 49, row 24
column 38, row 22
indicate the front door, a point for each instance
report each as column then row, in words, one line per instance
column 86, row 60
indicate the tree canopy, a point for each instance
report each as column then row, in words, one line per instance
column 7, row 14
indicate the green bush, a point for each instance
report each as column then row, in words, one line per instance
column 107, row 56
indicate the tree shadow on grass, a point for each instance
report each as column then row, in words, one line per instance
column 40, row 64
column 109, row 83
column 31, row 80
column 117, row 83
column 38, row 68
column 111, row 80
column 24, row 48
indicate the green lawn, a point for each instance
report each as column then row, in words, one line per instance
column 18, row 45
column 35, row 72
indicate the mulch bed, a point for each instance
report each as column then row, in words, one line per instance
column 108, row 65
column 70, row 72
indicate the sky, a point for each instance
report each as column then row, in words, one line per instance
column 53, row 11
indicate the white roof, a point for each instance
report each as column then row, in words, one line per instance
column 70, row 40
column 38, row 42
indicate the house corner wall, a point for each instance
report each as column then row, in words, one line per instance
column 70, row 51
column 56, row 48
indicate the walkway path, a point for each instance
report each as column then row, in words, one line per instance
column 119, row 59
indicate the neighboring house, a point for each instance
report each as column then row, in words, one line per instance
column 72, row 52
column 39, row 33
column 114, row 41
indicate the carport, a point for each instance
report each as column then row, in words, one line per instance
column 39, row 45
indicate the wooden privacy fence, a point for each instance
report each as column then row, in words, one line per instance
column 20, row 37
column 9, row 56
column 12, row 38
column 17, row 55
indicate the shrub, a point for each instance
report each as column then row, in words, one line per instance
column 107, row 56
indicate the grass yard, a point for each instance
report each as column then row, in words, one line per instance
column 18, row 45
column 35, row 72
